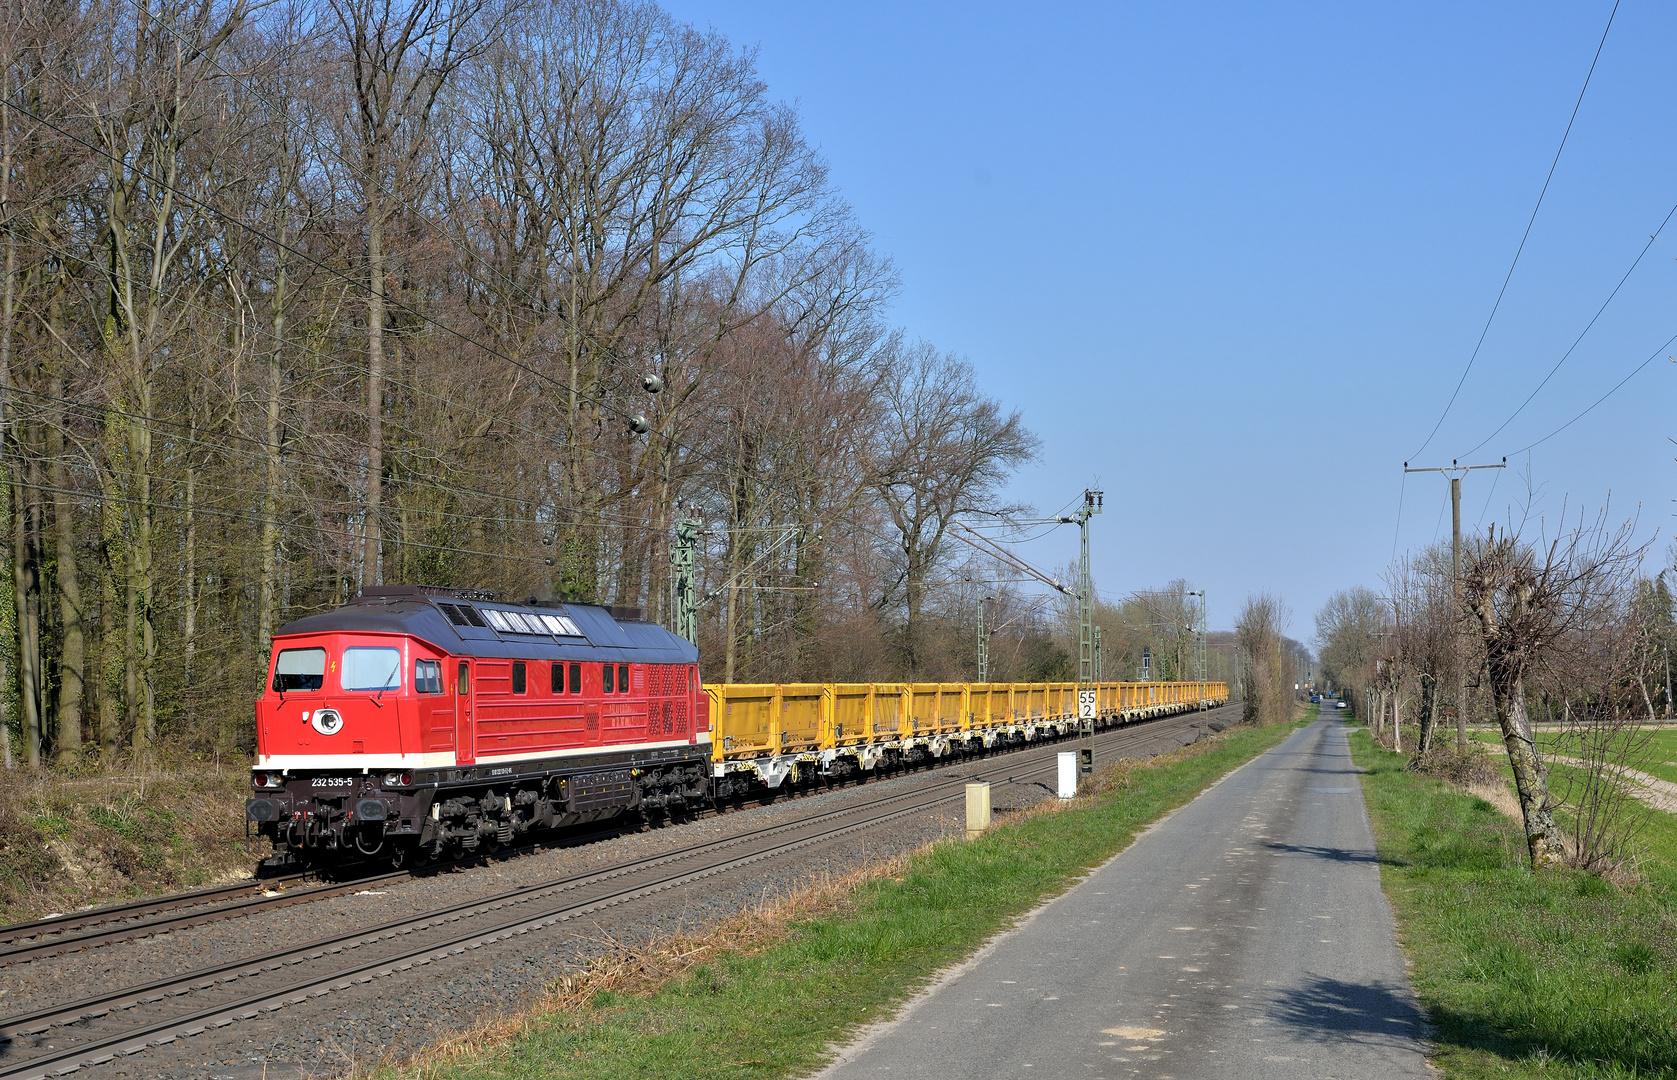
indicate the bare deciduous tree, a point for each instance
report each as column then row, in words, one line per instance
column 301, row 297
column 1526, row 602
column 944, row 450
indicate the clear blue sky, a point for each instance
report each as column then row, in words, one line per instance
column 1230, row 261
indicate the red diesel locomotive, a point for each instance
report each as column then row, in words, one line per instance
column 419, row 722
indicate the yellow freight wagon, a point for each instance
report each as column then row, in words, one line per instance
column 764, row 735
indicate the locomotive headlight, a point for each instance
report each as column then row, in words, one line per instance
column 266, row 780
column 327, row 721
column 398, row 779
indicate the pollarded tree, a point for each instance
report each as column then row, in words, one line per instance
column 1524, row 604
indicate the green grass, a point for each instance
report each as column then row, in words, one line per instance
column 1542, row 976
column 1656, row 838
column 1660, row 758
column 774, row 1012
column 74, row 838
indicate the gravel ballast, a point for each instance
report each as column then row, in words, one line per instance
column 391, row 1017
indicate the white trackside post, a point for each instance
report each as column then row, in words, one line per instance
column 1068, row 774
column 978, row 810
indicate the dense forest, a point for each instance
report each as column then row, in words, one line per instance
column 305, row 296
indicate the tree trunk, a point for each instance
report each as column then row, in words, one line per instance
column 5, row 722
column 8, row 302
column 265, row 614
column 189, row 617
column 370, row 568
column 140, row 630
column 730, row 618
column 72, row 664
column 26, row 592
column 1531, row 780
column 1429, row 715
column 105, row 681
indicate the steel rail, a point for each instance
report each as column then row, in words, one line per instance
column 263, row 902
column 53, row 937
column 54, row 946
column 41, row 1020
column 218, row 1016
column 127, row 909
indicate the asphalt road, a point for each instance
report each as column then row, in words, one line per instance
column 1245, row 936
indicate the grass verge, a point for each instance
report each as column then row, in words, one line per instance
column 1541, row 976
column 69, row 839
column 755, row 1001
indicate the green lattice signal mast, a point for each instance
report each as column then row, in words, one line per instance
column 684, row 586
column 1092, row 501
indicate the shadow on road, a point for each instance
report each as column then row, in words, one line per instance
column 1330, row 853
column 1329, row 1010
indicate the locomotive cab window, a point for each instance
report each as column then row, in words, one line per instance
column 299, row 669
column 372, row 668
column 427, row 676
column 518, row 684
column 622, row 678
column 606, row 671
column 464, row 684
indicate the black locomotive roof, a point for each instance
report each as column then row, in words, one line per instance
column 469, row 624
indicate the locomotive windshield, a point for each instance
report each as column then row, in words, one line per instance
column 372, row 669
column 299, row 669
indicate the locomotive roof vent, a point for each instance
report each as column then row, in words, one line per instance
column 428, row 590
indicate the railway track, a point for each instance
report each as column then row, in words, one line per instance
column 132, row 909
column 252, row 900
column 42, row 938
column 53, row 937
column 250, row 987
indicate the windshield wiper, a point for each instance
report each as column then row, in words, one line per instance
column 386, row 685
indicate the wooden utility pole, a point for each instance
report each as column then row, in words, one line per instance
column 1455, row 473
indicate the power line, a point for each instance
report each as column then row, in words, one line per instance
column 1654, row 236
column 1524, row 237
column 1616, row 387
column 1402, row 486
column 1495, row 480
